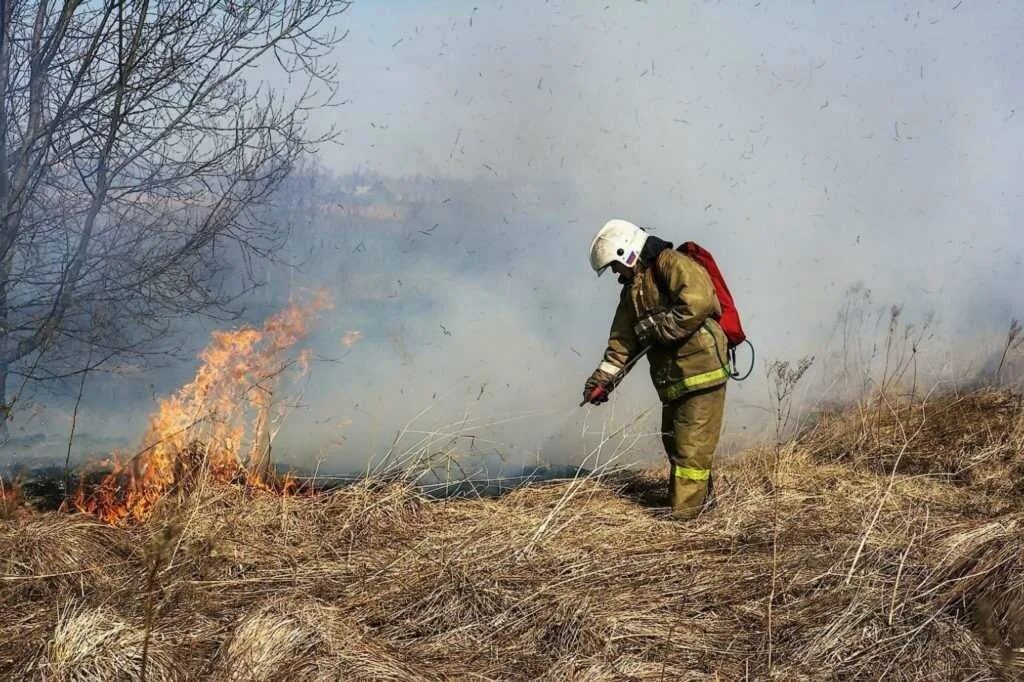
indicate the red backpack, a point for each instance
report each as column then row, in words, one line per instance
column 729, row 320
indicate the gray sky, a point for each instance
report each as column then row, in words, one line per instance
column 810, row 146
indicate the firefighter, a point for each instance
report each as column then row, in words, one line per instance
column 667, row 306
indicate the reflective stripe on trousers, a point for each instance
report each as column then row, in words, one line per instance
column 690, row 473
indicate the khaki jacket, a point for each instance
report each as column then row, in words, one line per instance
column 667, row 280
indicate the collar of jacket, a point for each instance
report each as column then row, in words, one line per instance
column 652, row 247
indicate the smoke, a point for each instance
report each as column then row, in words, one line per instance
column 824, row 154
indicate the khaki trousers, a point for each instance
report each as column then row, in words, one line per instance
column 690, row 428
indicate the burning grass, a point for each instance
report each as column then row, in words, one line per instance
column 219, row 427
column 912, row 573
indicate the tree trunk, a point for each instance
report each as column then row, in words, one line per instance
column 4, row 407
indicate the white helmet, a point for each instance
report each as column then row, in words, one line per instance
column 618, row 240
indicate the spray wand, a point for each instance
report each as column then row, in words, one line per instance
column 604, row 389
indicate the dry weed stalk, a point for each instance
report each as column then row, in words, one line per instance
column 11, row 498
column 783, row 379
column 1014, row 340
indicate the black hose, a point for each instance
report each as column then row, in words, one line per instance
column 735, row 376
column 732, row 353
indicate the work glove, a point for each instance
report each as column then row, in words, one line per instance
column 645, row 331
column 598, row 378
column 659, row 328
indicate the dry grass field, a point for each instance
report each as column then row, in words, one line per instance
column 887, row 542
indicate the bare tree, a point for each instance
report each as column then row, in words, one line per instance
column 138, row 141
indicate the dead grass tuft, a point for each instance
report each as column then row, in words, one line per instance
column 96, row 644
column 268, row 644
column 56, row 553
column 973, row 439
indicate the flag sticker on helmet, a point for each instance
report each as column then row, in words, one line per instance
column 631, row 259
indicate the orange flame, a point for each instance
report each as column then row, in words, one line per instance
column 219, row 425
